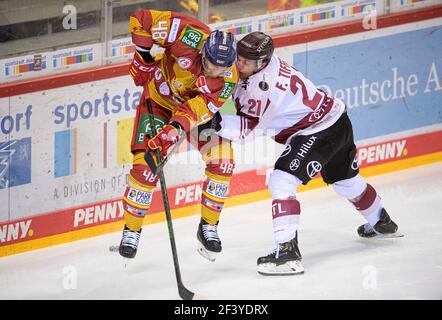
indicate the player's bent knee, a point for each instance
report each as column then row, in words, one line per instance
column 350, row 188
column 283, row 185
column 138, row 194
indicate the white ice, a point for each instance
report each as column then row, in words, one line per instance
column 338, row 264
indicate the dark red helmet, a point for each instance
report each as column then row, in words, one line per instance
column 256, row 46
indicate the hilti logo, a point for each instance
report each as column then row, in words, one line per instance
column 306, row 147
column 14, row 231
column 188, row 194
column 95, row 214
column 381, row 152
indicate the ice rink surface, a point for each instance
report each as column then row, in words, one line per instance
column 338, row 264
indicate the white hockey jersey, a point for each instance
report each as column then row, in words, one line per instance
column 279, row 101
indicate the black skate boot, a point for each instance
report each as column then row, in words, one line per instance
column 209, row 244
column 285, row 259
column 129, row 243
column 384, row 228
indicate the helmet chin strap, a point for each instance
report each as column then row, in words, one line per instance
column 259, row 66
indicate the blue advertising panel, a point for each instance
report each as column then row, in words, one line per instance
column 391, row 83
column 15, row 162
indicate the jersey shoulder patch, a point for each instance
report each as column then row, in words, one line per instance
column 192, row 37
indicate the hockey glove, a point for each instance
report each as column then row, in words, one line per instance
column 208, row 129
column 164, row 139
column 140, row 70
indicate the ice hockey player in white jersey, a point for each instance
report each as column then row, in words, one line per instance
column 274, row 98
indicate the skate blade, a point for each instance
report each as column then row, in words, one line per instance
column 386, row 236
column 288, row 268
column 209, row 255
column 116, row 249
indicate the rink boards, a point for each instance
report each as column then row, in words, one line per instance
column 64, row 155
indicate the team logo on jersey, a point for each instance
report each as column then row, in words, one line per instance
column 216, row 189
column 143, row 198
column 294, row 165
column 313, row 168
column 184, row 62
column 164, row 89
column 201, row 83
column 192, row 37
column 227, row 91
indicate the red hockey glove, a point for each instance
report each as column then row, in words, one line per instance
column 167, row 137
column 141, row 70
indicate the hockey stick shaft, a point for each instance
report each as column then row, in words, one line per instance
column 155, row 165
column 183, row 292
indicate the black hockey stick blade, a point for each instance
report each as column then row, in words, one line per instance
column 185, row 293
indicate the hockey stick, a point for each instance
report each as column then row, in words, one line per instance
column 183, row 292
column 156, row 164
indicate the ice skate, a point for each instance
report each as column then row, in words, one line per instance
column 209, row 244
column 285, row 259
column 384, row 228
column 129, row 243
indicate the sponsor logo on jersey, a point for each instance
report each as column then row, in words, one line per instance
column 313, row 168
column 217, row 189
column 177, row 84
column 158, row 74
column 213, row 205
column 227, row 90
column 317, row 115
column 174, row 29
column 135, row 211
column 355, row 163
column 286, row 151
column 305, row 147
column 164, row 89
column 15, row 231
column 212, row 107
column 184, row 62
column 294, row 165
column 227, row 74
column 192, row 38
column 245, row 83
column 201, row 83
column 143, row 198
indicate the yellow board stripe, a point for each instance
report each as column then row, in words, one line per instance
column 194, row 209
